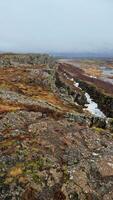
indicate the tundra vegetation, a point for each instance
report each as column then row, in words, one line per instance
column 51, row 147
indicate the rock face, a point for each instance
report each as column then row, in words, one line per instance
column 104, row 100
column 67, row 86
column 50, row 148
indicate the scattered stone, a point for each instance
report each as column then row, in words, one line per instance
column 105, row 166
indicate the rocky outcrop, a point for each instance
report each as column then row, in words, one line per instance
column 25, row 59
column 65, row 87
column 50, row 148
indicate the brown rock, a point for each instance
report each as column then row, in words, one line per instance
column 105, row 166
column 59, row 196
column 30, row 194
column 108, row 196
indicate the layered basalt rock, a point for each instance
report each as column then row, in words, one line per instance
column 100, row 91
column 66, row 86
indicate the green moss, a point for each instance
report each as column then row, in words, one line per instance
column 36, row 164
column 2, row 165
column 36, row 178
column 65, row 174
column 99, row 130
column 2, row 175
column 31, row 167
column 49, row 163
column 32, row 170
column 75, row 162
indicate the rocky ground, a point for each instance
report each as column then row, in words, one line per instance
column 50, row 147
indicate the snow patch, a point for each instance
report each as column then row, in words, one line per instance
column 93, row 77
column 92, row 107
column 71, row 79
column 76, row 84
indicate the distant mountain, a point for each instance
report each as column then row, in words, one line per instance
column 84, row 55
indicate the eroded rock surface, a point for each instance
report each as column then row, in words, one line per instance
column 50, row 148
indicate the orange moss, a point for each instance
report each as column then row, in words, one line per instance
column 8, row 108
column 47, row 96
column 15, row 171
column 9, row 80
column 93, row 71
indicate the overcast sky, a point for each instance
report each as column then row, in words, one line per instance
column 56, row 25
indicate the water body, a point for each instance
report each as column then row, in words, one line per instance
column 92, row 107
column 107, row 70
column 107, row 73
